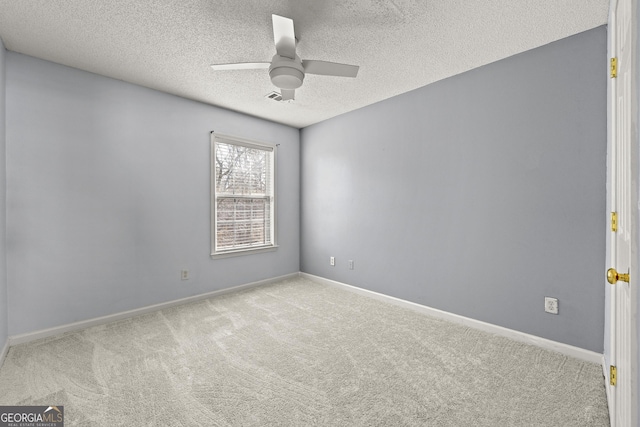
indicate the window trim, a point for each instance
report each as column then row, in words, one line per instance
column 228, row 139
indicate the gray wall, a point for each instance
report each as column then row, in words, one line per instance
column 108, row 196
column 4, row 325
column 479, row 195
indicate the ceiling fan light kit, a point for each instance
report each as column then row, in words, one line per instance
column 286, row 73
column 286, row 69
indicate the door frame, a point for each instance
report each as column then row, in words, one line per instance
column 610, row 297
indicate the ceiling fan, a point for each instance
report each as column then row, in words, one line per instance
column 286, row 69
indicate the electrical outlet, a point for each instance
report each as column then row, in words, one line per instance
column 350, row 264
column 332, row 261
column 184, row 274
column 551, row 305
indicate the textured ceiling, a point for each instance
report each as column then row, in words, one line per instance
column 399, row 45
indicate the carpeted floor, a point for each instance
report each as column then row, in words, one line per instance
column 298, row 353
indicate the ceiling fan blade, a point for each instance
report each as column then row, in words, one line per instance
column 288, row 94
column 284, row 36
column 241, row 66
column 325, row 68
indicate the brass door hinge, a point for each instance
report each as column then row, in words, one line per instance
column 613, row 375
column 614, row 221
column 614, row 67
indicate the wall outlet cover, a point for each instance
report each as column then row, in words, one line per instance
column 551, row 305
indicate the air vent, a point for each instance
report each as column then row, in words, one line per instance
column 274, row 95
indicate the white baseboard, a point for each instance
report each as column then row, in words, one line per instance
column 4, row 351
column 568, row 350
column 565, row 349
column 44, row 333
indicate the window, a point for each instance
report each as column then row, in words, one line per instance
column 243, row 200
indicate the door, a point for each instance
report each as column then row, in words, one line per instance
column 623, row 171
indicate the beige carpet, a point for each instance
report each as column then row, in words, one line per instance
column 298, row 353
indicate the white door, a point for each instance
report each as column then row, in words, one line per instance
column 623, row 170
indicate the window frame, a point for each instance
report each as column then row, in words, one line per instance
column 233, row 140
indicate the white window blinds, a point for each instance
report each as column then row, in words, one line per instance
column 243, row 181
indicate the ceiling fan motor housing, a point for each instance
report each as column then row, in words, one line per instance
column 286, row 73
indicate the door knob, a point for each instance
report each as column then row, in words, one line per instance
column 613, row 276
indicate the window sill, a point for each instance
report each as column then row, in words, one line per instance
column 241, row 252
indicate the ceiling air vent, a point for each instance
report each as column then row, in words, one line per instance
column 274, row 95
